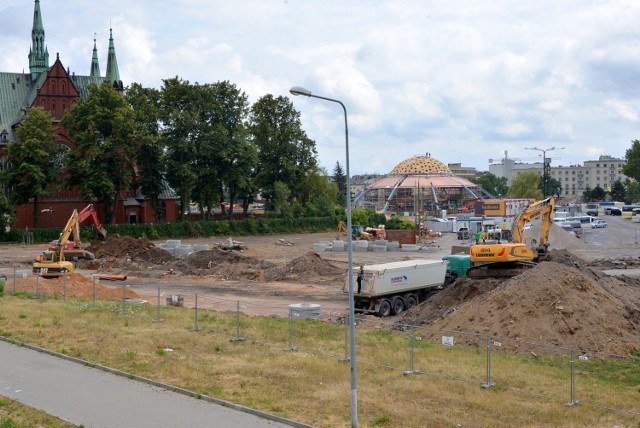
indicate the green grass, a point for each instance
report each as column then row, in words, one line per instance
column 311, row 385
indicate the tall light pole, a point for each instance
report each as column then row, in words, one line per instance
column 297, row 90
column 545, row 173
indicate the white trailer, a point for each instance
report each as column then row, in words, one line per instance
column 390, row 288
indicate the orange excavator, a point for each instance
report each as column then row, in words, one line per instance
column 502, row 258
column 53, row 263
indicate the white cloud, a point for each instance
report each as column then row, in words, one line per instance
column 463, row 80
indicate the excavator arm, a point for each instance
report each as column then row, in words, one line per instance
column 87, row 212
column 505, row 254
column 536, row 210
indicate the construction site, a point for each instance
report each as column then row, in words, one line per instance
column 581, row 297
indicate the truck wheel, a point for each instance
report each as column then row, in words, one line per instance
column 397, row 306
column 385, row 308
column 411, row 301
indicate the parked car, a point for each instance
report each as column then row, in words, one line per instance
column 598, row 224
column 612, row 211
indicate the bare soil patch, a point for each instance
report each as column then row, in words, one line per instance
column 568, row 301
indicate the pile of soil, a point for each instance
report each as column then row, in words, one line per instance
column 309, row 266
column 77, row 286
column 117, row 252
column 552, row 303
column 120, row 246
column 223, row 264
column 235, row 266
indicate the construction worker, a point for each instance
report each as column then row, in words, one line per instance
column 360, row 276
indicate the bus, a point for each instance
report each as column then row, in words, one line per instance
column 635, row 215
column 627, row 210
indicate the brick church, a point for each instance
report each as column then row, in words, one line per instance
column 56, row 90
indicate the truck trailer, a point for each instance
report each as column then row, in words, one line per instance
column 390, row 288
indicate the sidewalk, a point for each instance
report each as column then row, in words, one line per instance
column 92, row 397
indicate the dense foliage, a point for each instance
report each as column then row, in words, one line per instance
column 32, row 169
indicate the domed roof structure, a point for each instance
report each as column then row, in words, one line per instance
column 421, row 165
column 420, row 184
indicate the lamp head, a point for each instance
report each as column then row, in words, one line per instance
column 299, row 90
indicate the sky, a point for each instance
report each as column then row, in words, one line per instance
column 463, row 81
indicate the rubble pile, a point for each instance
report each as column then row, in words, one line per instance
column 77, row 285
column 552, row 303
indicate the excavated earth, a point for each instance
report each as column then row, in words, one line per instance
column 566, row 301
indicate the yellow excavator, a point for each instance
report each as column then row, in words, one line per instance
column 357, row 232
column 502, row 258
column 52, row 263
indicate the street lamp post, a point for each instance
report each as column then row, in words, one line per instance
column 297, row 90
column 545, row 168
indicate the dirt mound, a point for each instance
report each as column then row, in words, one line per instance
column 223, row 264
column 235, row 266
column 552, row 303
column 76, row 285
column 310, row 265
column 120, row 246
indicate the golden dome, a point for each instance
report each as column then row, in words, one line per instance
column 420, row 165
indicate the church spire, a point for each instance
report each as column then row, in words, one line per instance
column 95, row 65
column 113, row 74
column 38, row 53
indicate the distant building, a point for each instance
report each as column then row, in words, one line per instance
column 601, row 173
column 467, row 172
column 574, row 179
column 420, row 185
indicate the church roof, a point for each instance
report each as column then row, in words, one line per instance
column 18, row 91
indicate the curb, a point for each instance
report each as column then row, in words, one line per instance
column 168, row 387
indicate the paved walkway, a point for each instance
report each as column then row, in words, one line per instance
column 95, row 398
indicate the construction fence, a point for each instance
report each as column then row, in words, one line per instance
column 563, row 375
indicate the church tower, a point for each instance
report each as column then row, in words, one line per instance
column 113, row 74
column 38, row 53
column 95, row 65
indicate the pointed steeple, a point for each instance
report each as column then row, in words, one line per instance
column 95, row 65
column 38, row 53
column 113, row 74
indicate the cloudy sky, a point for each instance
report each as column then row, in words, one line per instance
column 462, row 80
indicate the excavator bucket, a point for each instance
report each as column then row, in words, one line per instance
column 102, row 233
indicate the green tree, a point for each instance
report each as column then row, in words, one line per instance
column 31, row 159
column 145, row 103
column 586, row 194
column 618, row 192
column 340, row 179
column 496, row 186
column 633, row 192
column 598, row 193
column 632, row 168
column 525, row 185
column 367, row 217
column 280, row 201
column 554, row 187
column 318, row 192
column 397, row 223
column 6, row 213
column 178, row 137
column 106, row 138
column 234, row 157
column 285, row 152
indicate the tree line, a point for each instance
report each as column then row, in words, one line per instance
column 203, row 141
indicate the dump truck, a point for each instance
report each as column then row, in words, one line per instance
column 390, row 288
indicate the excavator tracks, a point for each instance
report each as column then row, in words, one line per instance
column 499, row 269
